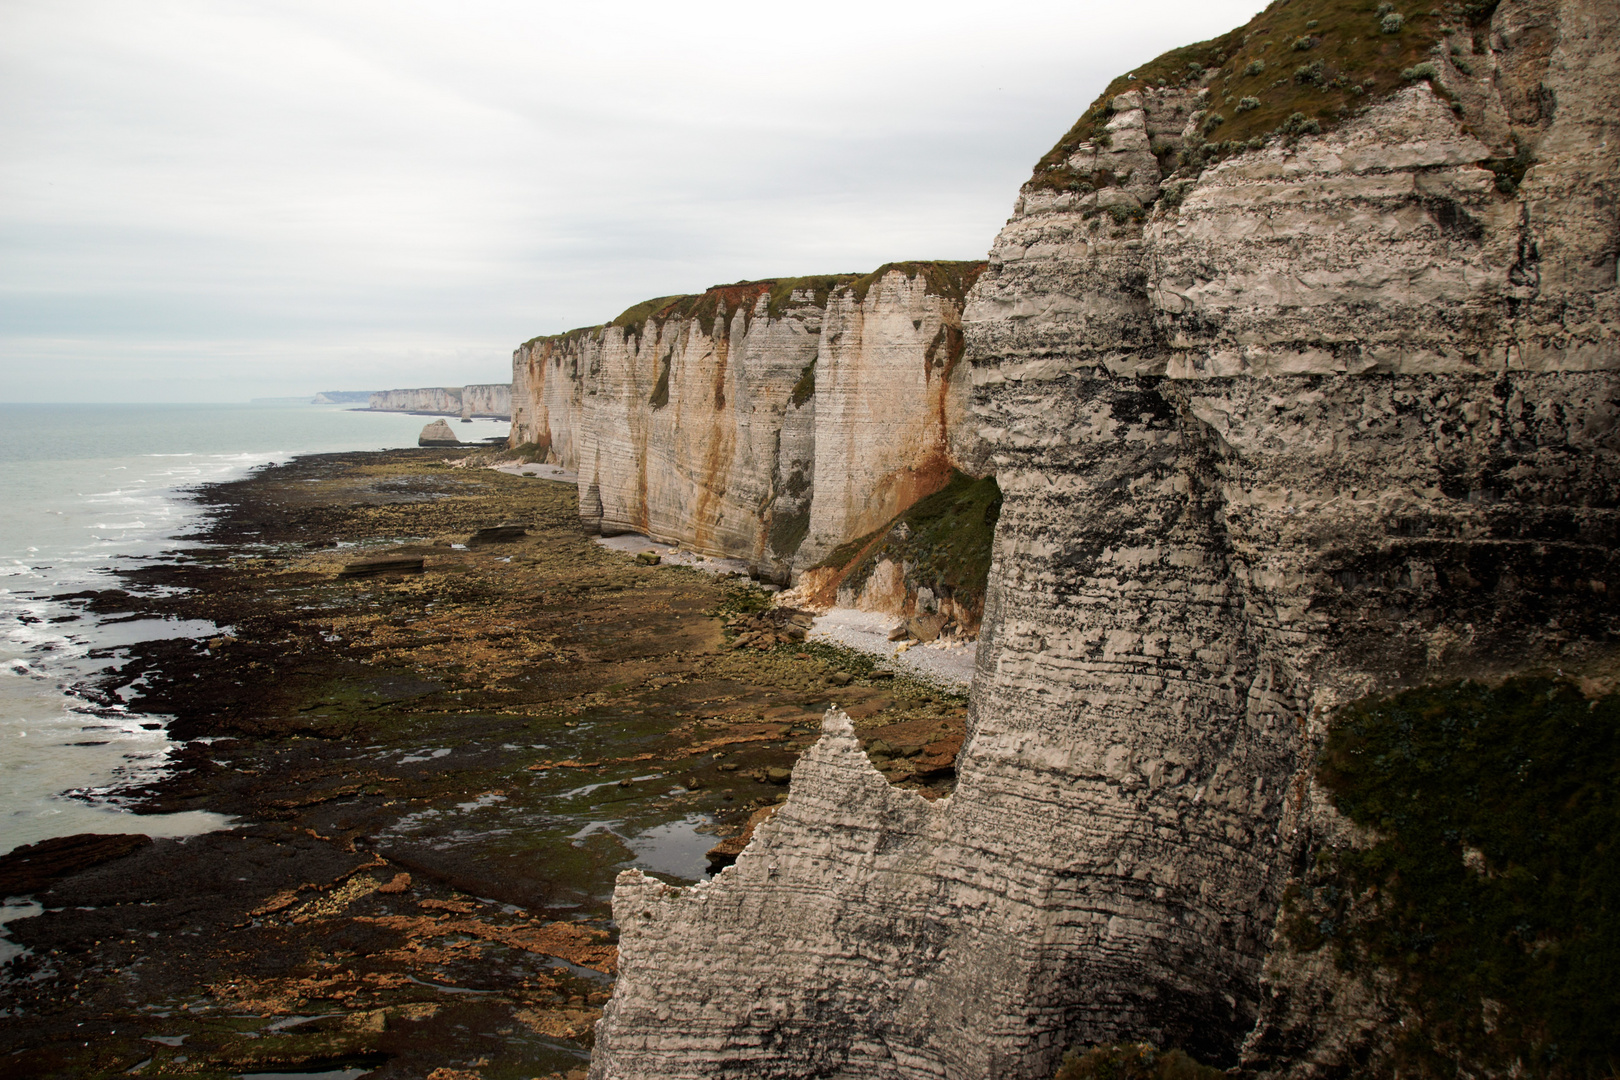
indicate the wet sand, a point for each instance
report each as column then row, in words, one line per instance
column 436, row 777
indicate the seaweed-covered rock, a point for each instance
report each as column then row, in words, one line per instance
column 32, row 867
column 382, row 564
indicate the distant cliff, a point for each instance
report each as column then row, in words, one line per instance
column 768, row 420
column 1297, row 367
column 342, row 397
column 476, row 399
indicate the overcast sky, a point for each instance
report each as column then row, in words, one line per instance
column 203, row 200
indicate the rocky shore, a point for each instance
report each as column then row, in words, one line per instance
column 435, row 774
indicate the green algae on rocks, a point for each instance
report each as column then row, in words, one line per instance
column 943, row 540
column 1492, row 888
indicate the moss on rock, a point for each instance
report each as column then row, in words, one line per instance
column 1492, row 892
column 715, row 307
column 948, row 279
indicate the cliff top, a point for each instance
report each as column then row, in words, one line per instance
column 946, row 278
column 1299, row 65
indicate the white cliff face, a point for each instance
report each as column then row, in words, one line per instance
column 487, row 399
column 750, row 424
column 476, row 399
column 681, row 428
column 546, row 383
column 1337, row 423
column 889, row 394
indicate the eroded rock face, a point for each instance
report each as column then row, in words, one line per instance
column 769, row 432
column 1337, row 422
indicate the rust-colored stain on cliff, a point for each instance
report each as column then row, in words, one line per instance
column 719, row 448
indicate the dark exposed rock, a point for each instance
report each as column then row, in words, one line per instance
column 498, row 534
column 726, row 851
column 383, row 564
column 33, row 867
column 779, row 626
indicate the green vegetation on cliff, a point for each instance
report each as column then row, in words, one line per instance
column 948, row 279
column 1298, row 66
column 1492, row 892
column 945, row 540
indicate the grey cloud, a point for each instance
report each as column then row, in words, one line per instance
column 205, row 201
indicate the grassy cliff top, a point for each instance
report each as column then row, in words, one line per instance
column 1320, row 59
column 945, row 278
column 941, row 278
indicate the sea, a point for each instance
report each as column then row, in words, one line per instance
column 86, row 490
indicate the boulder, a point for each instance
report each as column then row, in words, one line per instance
column 437, row 433
column 649, row 558
column 383, row 564
column 498, row 534
column 926, row 627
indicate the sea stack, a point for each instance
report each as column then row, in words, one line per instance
column 437, row 433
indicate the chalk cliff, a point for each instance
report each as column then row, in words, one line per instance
column 1278, row 424
column 475, row 399
column 342, row 397
column 768, row 420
